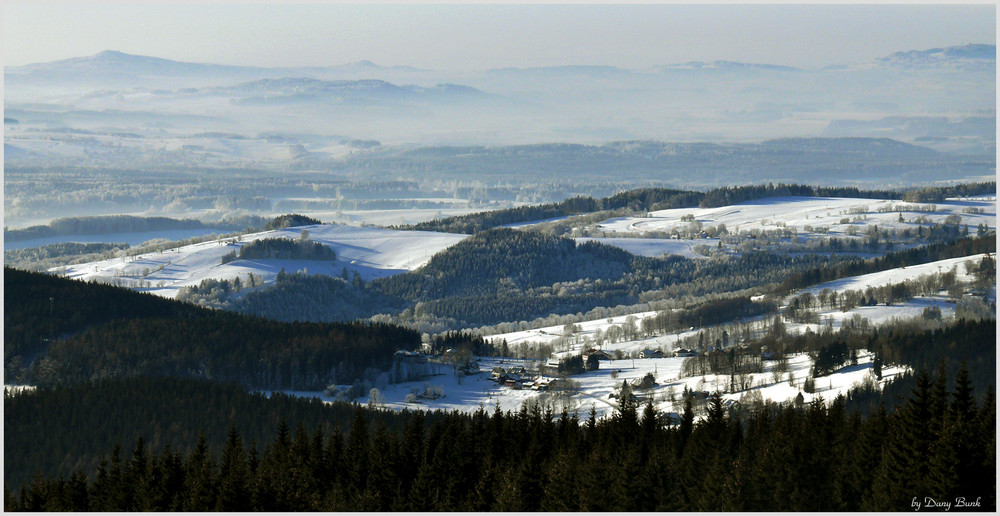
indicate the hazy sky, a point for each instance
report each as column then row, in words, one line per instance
column 488, row 36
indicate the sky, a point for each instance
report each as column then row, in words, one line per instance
column 484, row 36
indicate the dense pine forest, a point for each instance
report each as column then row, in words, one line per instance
column 59, row 331
column 99, row 225
column 303, row 297
column 57, row 430
column 939, row 444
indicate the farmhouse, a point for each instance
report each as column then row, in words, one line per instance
column 410, row 357
column 600, row 354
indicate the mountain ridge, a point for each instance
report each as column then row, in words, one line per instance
column 117, row 58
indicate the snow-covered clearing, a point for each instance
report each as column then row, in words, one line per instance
column 900, row 275
column 372, row 252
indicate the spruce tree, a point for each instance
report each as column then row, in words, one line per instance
column 234, row 476
column 200, row 479
column 356, row 453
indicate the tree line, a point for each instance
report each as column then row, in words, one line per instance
column 635, row 200
column 726, row 196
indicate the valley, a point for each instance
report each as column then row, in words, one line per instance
column 499, row 258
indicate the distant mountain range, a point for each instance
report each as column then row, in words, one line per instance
column 971, row 55
column 118, row 69
column 294, row 90
column 115, row 63
column 111, row 63
column 114, row 92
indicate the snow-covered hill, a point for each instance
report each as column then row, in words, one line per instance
column 874, row 314
column 371, row 252
column 837, row 214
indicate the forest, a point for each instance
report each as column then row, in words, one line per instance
column 817, row 457
column 61, row 454
column 303, row 297
column 100, row 331
column 283, row 249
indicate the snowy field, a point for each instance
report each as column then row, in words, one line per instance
column 372, row 252
column 900, row 275
column 777, row 212
column 651, row 247
column 550, row 333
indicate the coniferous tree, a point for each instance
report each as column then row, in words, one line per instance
column 200, row 479
column 356, row 454
column 234, row 476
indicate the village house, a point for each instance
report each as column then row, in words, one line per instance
column 410, row 357
column 600, row 354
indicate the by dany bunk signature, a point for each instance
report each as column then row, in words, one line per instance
column 930, row 503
